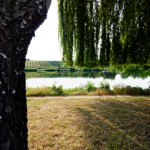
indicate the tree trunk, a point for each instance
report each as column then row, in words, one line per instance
column 18, row 21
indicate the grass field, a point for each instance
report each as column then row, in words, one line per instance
column 30, row 63
column 105, row 123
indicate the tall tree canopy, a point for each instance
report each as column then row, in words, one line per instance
column 102, row 32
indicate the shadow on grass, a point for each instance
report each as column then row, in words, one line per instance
column 115, row 125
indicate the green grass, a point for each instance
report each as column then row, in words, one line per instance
column 45, row 91
column 105, row 123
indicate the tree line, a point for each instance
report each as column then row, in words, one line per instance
column 103, row 33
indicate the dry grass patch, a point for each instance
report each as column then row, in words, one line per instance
column 105, row 123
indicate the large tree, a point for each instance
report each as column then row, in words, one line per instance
column 104, row 32
column 18, row 21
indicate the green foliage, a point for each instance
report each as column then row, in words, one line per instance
column 89, row 86
column 57, row 90
column 104, row 32
column 79, row 31
column 104, row 85
column 128, row 90
column 136, row 71
column 88, row 90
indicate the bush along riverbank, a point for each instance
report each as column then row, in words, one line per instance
column 88, row 89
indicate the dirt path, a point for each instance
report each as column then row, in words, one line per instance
column 70, row 97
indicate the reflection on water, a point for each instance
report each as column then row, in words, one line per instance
column 76, row 79
column 107, row 75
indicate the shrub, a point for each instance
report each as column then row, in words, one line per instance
column 129, row 90
column 118, row 89
column 89, row 86
column 57, row 90
column 104, row 85
column 147, row 91
column 133, row 90
column 54, row 87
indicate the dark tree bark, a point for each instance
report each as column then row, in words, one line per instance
column 18, row 21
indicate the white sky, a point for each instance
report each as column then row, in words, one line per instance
column 45, row 44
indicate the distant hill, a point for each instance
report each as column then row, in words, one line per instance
column 30, row 63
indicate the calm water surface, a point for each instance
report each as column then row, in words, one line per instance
column 71, row 80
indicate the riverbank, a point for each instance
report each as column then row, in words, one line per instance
column 58, row 66
column 89, row 123
column 88, row 89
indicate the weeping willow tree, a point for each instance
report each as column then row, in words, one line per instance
column 101, row 32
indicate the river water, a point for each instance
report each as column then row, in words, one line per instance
column 71, row 80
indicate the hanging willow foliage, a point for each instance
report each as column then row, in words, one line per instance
column 101, row 32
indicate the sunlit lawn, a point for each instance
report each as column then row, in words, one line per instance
column 105, row 123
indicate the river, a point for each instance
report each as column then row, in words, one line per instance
column 76, row 79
